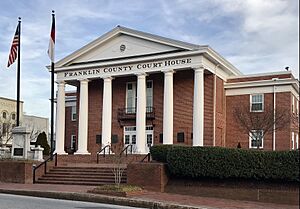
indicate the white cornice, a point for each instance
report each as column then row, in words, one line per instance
column 261, row 74
column 262, row 83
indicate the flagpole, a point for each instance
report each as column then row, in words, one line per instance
column 19, row 74
column 52, row 99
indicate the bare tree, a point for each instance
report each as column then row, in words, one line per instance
column 258, row 124
column 6, row 132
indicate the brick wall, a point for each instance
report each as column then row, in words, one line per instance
column 257, row 78
column 235, row 133
column 138, row 174
column 220, row 113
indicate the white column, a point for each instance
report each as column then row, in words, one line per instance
column 106, row 111
column 60, row 119
column 141, row 114
column 83, row 119
column 198, row 107
column 168, row 108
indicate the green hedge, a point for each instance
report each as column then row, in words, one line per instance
column 216, row 162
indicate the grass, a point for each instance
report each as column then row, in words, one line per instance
column 116, row 188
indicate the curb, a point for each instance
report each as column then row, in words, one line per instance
column 100, row 199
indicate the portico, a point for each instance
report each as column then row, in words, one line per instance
column 151, row 64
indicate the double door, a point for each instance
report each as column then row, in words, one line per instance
column 130, row 137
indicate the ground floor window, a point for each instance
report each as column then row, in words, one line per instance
column 130, row 137
column 256, row 139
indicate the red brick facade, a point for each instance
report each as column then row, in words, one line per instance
column 220, row 126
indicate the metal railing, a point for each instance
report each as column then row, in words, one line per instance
column 130, row 113
column 126, row 150
column 45, row 163
column 148, row 156
column 104, row 152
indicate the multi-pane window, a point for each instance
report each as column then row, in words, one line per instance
column 293, row 140
column 293, row 104
column 297, row 141
column 149, row 93
column 131, row 96
column 256, row 139
column 73, row 114
column 13, row 116
column 73, row 141
column 257, row 102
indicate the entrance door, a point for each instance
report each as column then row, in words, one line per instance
column 130, row 137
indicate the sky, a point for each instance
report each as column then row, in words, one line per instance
column 256, row 36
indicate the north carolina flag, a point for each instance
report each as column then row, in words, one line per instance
column 52, row 39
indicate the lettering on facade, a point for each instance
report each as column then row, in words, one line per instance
column 127, row 68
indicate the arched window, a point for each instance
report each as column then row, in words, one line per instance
column 4, row 115
column 13, row 116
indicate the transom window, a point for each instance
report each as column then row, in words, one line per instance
column 256, row 139
column 257, row 102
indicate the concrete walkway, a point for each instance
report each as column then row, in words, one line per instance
column 147, row 199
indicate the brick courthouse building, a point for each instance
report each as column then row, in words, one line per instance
column 142, row 89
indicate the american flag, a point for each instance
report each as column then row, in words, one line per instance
column 14, row 47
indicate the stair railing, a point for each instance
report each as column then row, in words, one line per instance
column 104, row 151
column 148, row 156
column 126, row 150
column 45, row 163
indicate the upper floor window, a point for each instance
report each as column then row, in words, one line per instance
column 256, row 139
column 13, row 116
column 293, row 104
column 131, row 96
column 257, row 102
column 4, row 115
column 73, row 114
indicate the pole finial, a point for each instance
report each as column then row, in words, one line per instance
column 53, row 12
column 19, row 18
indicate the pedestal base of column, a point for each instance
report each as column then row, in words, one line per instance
column 61, row 152
column 82, row 153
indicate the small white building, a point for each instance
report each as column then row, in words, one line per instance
column 35, row 125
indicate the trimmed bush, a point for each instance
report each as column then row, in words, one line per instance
column 42, row 140
column 217, row 162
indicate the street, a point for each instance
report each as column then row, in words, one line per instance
column 8, row 201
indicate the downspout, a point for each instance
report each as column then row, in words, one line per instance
column 274, row 114
column 215, row 97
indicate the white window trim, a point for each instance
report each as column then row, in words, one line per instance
column 293, row 140
column 134, row 85
column 263, row 103
column 297, row 141
column 150, row 81
column 297, row 107
column 293, row 103
column 73, row 111
column 250, row 138
column 72, row 138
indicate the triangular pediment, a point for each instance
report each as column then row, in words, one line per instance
column 122, row 43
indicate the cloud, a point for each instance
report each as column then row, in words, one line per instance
column 254, row 35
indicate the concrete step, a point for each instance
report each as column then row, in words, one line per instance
column 83, row 175
column 111, row 180
column 87, row 183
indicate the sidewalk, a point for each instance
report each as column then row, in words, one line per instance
column 148, row 199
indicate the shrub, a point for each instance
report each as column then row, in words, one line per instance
column 216, row 162
column 42, row 140
column 159, row 152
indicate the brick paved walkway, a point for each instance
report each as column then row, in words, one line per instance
column 155, row 196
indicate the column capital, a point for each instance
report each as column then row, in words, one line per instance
column 60, row 82
column 198, row 68
column 139, row 74
column 107, row 77
column 168, row 71
column 83, row 80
